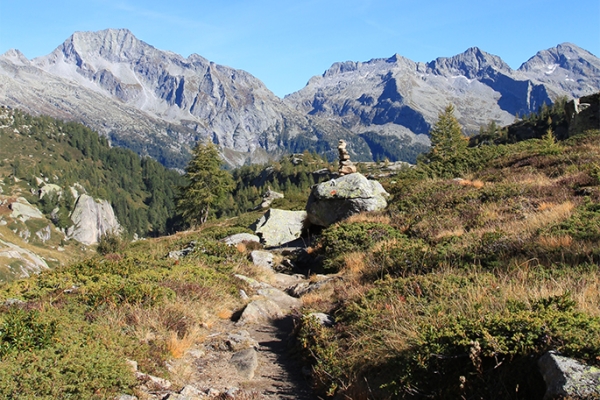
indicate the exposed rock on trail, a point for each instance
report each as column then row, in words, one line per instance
column 247, row 358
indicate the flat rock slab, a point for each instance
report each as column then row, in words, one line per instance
column 22, row 209
column 253, row 283
column 260, row 311
column 245, row 362
column 285, row 280
column 239, row 238
column 262, row 259
column 277, row 227
column 284, row 300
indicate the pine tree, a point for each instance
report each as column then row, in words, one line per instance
column 446, row 136
column 208, row 184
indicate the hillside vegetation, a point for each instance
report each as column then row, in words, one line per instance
column 482, row 262
column 42, row 149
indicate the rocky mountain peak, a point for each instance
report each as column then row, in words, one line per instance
column 15, row 57
column 567, row 68
column 113, row 45
column 565, row 55
column 471, row 63
column 341, row 67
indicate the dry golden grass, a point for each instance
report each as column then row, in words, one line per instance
column 354, row 264
column 177, row 346
column 493, row 219
column 224, row 313
column 458, row 231
column 488, row 293
column 544, row 205
column 538, row 220
column 183, row 317
column 534, row 179
column 477, row 184
column 241, row 247
column 526, row 286
column 384, row 244
column 555, row 242
column 374, row 217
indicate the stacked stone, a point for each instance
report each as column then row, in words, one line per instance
column 346, row 166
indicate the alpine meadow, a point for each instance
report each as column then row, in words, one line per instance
column 171, row 229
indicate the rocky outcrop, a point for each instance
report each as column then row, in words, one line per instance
column 240, row 238
column 23, row 210
column 245, row 362
column 49, row 188
column 584, row 113
column 22, row 262
column 92, row 219
column 272, row 303
column 337, row 199
column 262, row 259
column 277, row 227
column 269, row 197
column 568, row 378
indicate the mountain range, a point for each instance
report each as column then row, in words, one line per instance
column 159, row 103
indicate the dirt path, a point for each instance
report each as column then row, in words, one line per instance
column 282, row 376
column 274, row 372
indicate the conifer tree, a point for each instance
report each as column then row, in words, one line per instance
column 208, row 184
column 446, row 136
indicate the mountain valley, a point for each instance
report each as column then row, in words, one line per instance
column 159, row 103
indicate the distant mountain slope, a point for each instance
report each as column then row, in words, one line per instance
column 399, row 96
column 565, row 70
column 69, row 158
column 155, row 102
column 159, row 103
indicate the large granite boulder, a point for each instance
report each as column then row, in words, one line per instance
column 568, row 378
column 337, row 199
column 92, row 219
column 277, row 227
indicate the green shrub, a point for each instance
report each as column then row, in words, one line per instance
column 322, row 353
column 584, row 224
column 345, row 238
column 68, row 370
column 496, row 353
column 405, row 256
column 23, row 331
column 110, row 242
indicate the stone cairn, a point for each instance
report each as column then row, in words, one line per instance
column 346, row 166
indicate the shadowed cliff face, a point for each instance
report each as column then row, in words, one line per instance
column 397, row 92
column 159, row 103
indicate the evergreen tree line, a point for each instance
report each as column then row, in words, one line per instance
column 292, row 175
column 534, row 125
column 141, row 191
column 212, row 192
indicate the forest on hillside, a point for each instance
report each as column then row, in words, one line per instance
column 69, row 154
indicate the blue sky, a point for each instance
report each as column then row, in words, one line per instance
column 285, row 42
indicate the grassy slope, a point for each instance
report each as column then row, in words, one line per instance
column 446, row 294
column 76, row 325
column 458, row 287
